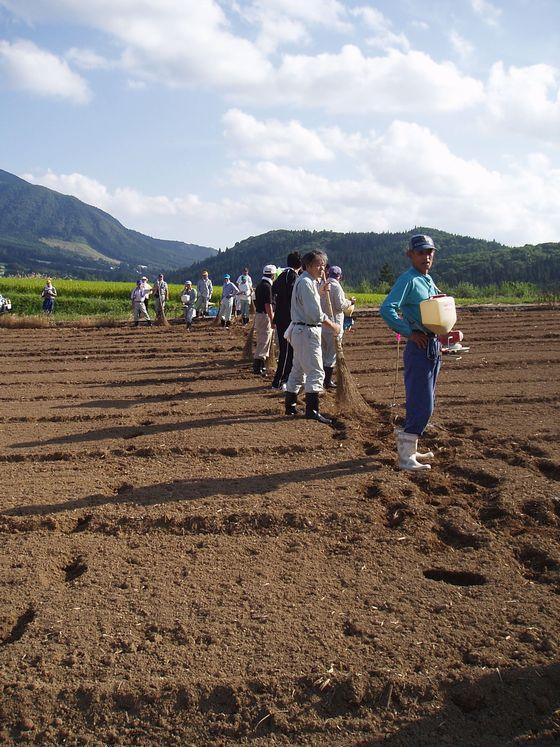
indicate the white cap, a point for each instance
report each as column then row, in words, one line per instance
column 269, row 270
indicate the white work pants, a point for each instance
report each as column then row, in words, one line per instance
column 139, row 311
column 226, row 307
column 307, row 368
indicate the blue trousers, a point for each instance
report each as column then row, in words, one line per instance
column 421, row 369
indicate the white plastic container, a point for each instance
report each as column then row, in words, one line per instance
column 438, row 314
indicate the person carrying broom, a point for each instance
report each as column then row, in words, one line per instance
column 338, row 305
column 422, row 355
column 304, row 335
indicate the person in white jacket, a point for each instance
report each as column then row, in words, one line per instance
column 338, row 305
column 305, row 337
column 245, row 295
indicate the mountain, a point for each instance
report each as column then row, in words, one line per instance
column 44, row 231
column 367, row 258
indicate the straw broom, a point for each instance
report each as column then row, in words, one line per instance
column 271, row 358
column 348, row 398
column 161, row 319
column 247, row 354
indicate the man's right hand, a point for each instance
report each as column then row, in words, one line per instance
column 420, row 338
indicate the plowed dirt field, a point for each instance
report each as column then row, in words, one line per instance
column 181, row 564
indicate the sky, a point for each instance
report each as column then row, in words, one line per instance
column 208, row 121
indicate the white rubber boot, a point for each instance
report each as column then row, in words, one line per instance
column 418, row 455
column 406, row 446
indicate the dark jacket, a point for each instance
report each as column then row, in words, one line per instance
column 282, row 291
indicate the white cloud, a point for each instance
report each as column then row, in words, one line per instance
column 487, row 11
column 178, row 42
column 403, row 177
column 330, row 13
column 461, row 45
column 385, row 37
column 273, row 140
column 25, row 66
column 190, row 43
column 526, row 99
column 350, row 82
column 87, row 59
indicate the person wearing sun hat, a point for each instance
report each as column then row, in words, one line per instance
column 204, row 290
column 229, row 291
column 338, row 305
column 422, row 354
column 263, row 319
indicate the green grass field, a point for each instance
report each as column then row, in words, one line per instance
column 85, row 298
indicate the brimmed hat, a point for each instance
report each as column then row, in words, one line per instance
column 420, row 241
column 188, row 282
column 269, row 270
column 226, row 277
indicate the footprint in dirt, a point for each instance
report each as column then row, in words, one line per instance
column 538, row 564
column 459, row 531
column 76, row 568
column 478, row 476
column 19, row 629
column 549, row 469
column 455, row 578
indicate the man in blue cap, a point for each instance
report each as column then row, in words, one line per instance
column 229, row 291
column 422, row 354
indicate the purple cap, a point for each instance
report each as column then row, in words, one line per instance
column 335, row 271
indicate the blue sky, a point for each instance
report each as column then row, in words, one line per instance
column 212, row 120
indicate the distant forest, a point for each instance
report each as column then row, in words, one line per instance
column 369, row 260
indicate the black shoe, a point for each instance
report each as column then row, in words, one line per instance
column 245, row 320
column 290, row 403
column 312, row 409
column 136, row 324
column 150, row 322
column 189, row 325
column 223, row 322
column 329, row 383
column 228, row 324
column 258, row 366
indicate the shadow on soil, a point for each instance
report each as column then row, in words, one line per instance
column 196, row 489
column 505, row 707
column 127, row 431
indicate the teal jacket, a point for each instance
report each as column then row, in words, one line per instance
column 401, row 309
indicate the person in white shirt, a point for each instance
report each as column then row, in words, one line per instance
column 138, row 298
column 243, row 278
column 160, row 293
column 204, row 290
column 335, row 311
column 305, row 337
column 244, row 298
column 188, row 298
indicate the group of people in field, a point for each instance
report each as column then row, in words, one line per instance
column 304, row 306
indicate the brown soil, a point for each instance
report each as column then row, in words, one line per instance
column 181, row 564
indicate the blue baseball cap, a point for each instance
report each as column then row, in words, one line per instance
column 420, row 241
column 226, row 277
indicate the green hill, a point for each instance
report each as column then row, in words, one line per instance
column 44, row 231
column 367, row 258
